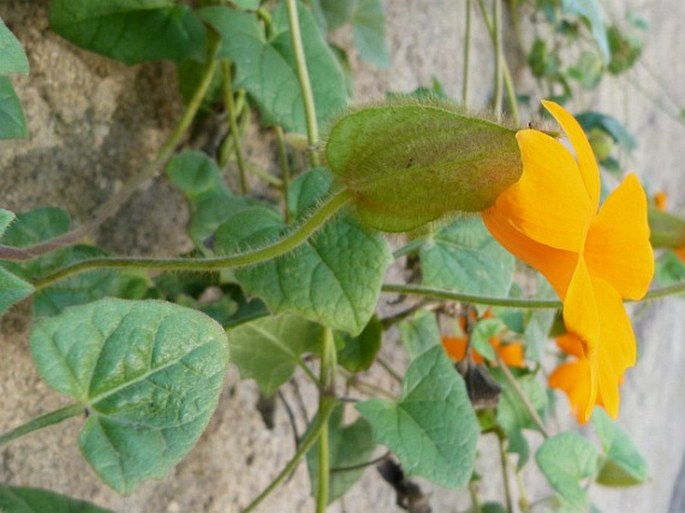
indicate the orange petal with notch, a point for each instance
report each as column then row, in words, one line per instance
column 617, row 247
column 585, row 157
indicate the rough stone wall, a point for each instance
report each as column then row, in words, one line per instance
column 93, row 123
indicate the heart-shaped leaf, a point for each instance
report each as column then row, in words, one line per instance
column 13, row 56
column 432, row 428
column 148, row 374
column 12, row 120
column 623, row 465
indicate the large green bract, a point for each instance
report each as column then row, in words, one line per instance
column 432, row 429
column 410, row 162
column 148, row 375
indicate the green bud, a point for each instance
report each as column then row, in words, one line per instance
column 666, row 230
column 409, row 162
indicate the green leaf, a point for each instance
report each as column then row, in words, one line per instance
column 13, row 56
column 464, row 257
column 12, row 121
column 669, row 269
column 338, row 12
column 592, row 11
column 368, row 25
column 6, row 218
column 334, row 278
column 610, row 125
column 12, row 289
column 483, row 331
column 348, row 445
column 432, row 429
column 248, row 5
column 148, row 373
column 412, row 161
column 566, row 459
column 211, row 202
column 131, row 31
column 358, row 353
column 19, row 499
column 267, row 68
column 622, row 465
column 419, row 334
column 269, row 349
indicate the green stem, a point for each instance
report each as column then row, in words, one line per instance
column 328, row 366
column 112, row 205
column 521, row 395
column 467, row 55
column 497, row 43
column 450, row 295
column 233, row 123
column 305, row 85
column 320, row 423
column 278, row 248
column 285, row 168
column 508, row 81
column 505, row 471
column 54, row 417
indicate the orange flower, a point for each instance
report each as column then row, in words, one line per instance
column 455, row 347
column 592, row 258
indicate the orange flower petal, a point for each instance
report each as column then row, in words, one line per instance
column 587, row 163
column 575, row 380
column 617, row 247
column 455, row 347
column 571, row 345
column 580, row 308
column 555, row 264
column 512, row 354
column 549, row 203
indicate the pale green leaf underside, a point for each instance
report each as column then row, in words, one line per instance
column 12, row 121
column 432, row 429
column 148, row 373
column 623, row 464
column 13, row 56
column 17, row 499
column 268, row 350
column 464, row 257
column 566, row 459
column 12, row 289
column 419, row 333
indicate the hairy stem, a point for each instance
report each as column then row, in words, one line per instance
column 505, row 471
column 450, row 295
column 112, row 205
column 54, row 417
column 497, row 43
column 299, row 235
column 320, row 423
column 305, row 84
